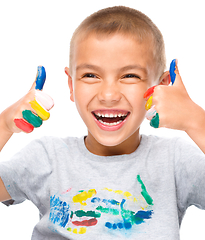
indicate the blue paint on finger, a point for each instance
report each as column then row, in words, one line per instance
column 40, row 78
column 172, row 71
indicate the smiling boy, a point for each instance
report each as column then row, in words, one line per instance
column 113, row 183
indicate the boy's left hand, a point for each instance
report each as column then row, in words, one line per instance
column 173, row 104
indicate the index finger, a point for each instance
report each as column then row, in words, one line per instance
column 40, row 78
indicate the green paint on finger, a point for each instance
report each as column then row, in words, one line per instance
column 33, row 119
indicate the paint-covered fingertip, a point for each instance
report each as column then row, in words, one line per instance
column 40, row 77
column 149, row 92
column 172, row 70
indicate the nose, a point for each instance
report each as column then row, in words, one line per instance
column 109, row 93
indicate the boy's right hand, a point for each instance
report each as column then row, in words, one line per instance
column 31, row 110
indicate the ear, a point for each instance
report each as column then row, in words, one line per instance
column 70, row 83
column 165, row 79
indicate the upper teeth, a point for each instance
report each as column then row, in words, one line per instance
column 111, row 115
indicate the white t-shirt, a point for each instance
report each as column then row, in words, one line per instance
column 142, row 195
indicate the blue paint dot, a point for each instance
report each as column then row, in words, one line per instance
column 127, row 225
column 95, row 199
column 108, row 225
column 114, row 226
column 120, row 225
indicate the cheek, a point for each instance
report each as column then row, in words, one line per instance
column 82, row 96
column 134, row 95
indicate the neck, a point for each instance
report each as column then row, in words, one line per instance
column 126, row 147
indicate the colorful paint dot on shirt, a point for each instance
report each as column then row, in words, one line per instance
column 120, row 192
column 81, row 213
column 82, row 230
column 83, row 196
column 87, row 223
column 120, row 212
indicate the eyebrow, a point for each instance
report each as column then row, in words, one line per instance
column 128, row 67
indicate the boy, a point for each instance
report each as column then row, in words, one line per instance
column 112, row 183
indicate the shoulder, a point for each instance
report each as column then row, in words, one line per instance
column 176, row 148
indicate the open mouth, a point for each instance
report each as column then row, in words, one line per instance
column 110, row 119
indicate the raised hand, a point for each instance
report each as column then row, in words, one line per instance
column 31, row 110
column 168, row 106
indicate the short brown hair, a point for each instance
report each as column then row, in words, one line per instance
column 123, row 20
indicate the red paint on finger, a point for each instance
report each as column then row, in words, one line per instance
column 149, row 92
column 23, row 125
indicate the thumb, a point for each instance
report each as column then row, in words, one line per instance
column 174, row 74
column 40, row 78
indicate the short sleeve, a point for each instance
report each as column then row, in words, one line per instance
column 190, row 175
column 26, row 175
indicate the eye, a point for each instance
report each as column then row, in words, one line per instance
column 89, row 75
column 90, row 78
column 131, row 76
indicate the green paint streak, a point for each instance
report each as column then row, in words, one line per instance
column 71, row 215
column 144, row 192
column 81, row 191
column 81, row 213
column 32, row 118
column 108, row 210
column 155, row 121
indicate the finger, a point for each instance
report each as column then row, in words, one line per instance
column 151, row 113
column 155, row 121
column 172, row 70
column 178, row 80
column 40, row 110
column 32, row 118
column 149, row 92
column 42, row 104
column 148, row 104
column 44, row 100
column 40, row 78
column 23, row 125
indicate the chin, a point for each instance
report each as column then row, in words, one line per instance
column 110, row 141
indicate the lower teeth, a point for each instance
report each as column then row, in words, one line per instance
column 110, row 124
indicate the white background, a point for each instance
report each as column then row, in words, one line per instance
column 38, row 32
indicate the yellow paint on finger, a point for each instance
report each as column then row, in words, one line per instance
column 42, row 113
column 148, row 103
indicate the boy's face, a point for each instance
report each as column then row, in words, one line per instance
column 109, row 77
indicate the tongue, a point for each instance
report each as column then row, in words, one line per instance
column 111, row 120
